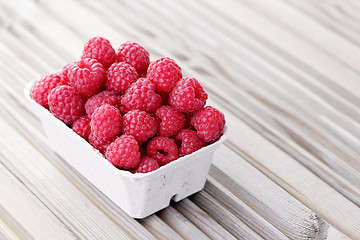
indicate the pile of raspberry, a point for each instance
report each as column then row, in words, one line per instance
column 139, row 114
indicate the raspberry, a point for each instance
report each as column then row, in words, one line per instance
column 123, row 152
column 189, row 142
column 209, row 123
column 64, row 73
column 188, row 95
column 82, row 127
column 42, row 88
column 172, row 121
column 120, row 76
column 147, row 164
column 140, row 125
column 66, row 103
column 141, row 95
column 100, row 143
column 86, row 76
column 104, row 97
column 100, row 49
column 106, row 122
column 162, row 149
column 164, row 73
column 135, row 55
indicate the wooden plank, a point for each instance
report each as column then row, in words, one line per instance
column 20, row 208
column 65, row 200
column 202, row 220
column 230, row 222
column 269, row 201
column 290, row 175
column 159, row 228
column 292, row 48
column 242, row 211
column 181, row 224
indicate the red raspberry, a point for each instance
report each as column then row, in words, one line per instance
column 209, row 123
column 66, row 103
column 86, row 76
column 123, row 152
column 106, row 122
column 140, row 125
column 82, row 127
column 188, row 95
column 104, row 97
column 162, row 149
column 189, row 142
column 172, row 121
column 100, row 49
column 100, row 143
column 141, row 95
column 64, row 73
column 135, row 55
column 147, row 164
column 164, row 73
column 120, row 76
column 42, row 88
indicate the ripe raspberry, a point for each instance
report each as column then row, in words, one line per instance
column 86, row 76
column 64, row 73
column 120, row 76
column 135, row 55
column 164, row 73
column 147, row 164
column 104, row 97
column 172, row 121
column 140, row 125
column 66, row 103
column 100, row 49
column 99, row 143
column 106, row 122
column 209, row 123
column 188, row 95
column 162, row 149
column 189, row 142
column 42, row 88
column 141, row 95
column 123, row 152
column 82, row 127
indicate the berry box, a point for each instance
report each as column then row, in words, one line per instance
column 138, row 194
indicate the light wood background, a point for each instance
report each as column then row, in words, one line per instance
column 286, row 74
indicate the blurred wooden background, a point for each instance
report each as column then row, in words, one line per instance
column 286, row 74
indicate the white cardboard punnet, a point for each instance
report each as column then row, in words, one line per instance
column 140, row 194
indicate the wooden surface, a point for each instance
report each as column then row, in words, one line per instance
column 286, row 74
